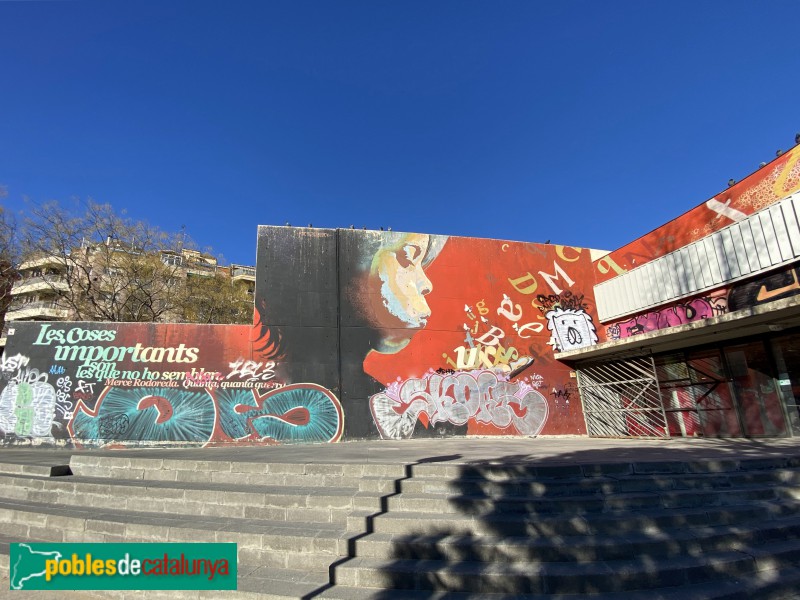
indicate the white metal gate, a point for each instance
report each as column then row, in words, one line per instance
column 621, row 398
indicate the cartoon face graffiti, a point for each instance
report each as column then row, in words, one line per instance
column 403, row 282
column 571, row 329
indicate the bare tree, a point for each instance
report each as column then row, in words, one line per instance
column 9, row 257
column 112, row 268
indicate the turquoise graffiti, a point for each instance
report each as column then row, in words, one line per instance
column 202, row 416
column 294, row 413
column 154, row 414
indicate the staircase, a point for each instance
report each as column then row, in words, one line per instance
column 715, row 529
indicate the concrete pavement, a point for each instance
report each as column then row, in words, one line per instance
column 465, row 450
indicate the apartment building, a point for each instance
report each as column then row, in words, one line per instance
column 52, row 288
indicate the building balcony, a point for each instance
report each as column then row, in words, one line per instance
column 242, row 273
column 40, row 310
column 40, row 283
column 57, row 262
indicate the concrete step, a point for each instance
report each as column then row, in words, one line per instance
column 285, row 503
column 534, row 526
column 41, row 470
column 274, row 544
column 510, row 472
column 575, row 505
column 696, row 542
column 574, row 486
column 767, row 584
column 565, row 577
column 230, row 472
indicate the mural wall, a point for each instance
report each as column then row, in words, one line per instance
column 93, row 384
column 423, row 335
column 766, row 186
column 357, row 335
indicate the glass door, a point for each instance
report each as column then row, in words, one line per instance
column 755, row 388
column 786, row 350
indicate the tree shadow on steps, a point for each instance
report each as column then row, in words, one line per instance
column 589, row 523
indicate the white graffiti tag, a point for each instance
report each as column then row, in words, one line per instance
column 458, row 398
column 251, row 370
column 11, row 364
column 63, row 402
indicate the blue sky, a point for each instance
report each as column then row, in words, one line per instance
column 581, row 122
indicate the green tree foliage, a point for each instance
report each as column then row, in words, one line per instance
column 216, row 299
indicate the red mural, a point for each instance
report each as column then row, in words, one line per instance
column 483, row 361
column 766, row 186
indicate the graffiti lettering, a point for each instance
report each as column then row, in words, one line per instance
column 11, row 364
column 765, row 294
column 560, row 251
column 27, row 408
column 252, row 370
column 511, row 311
column 492, row 337
column 482, row 396
column 536, row 381
column 485, row 356
column 531, row 286
column 294, row 413
column 551, row 279
column 688, row 312
column 534, row 327
column 63, row 403
column 606, row 264
column 566, row 301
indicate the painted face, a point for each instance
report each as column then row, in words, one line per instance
column 403, row 282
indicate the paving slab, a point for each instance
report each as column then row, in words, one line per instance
column 465, row 450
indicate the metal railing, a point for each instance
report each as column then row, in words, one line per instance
column 243, row 272
column 50, row 278
column 37, row 304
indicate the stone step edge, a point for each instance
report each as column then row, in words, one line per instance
column 787, row 579
column 285, row 505
column 150, row 525
column 82, row 461
column 422, row 470
column 388, row 484
column 274, row 489
column 763, row 557
column 695, row 534
column 598, row 497
column 12, row 468
column 175, row 490
column 599, row 480
column 774, row 510
column 559, row 471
